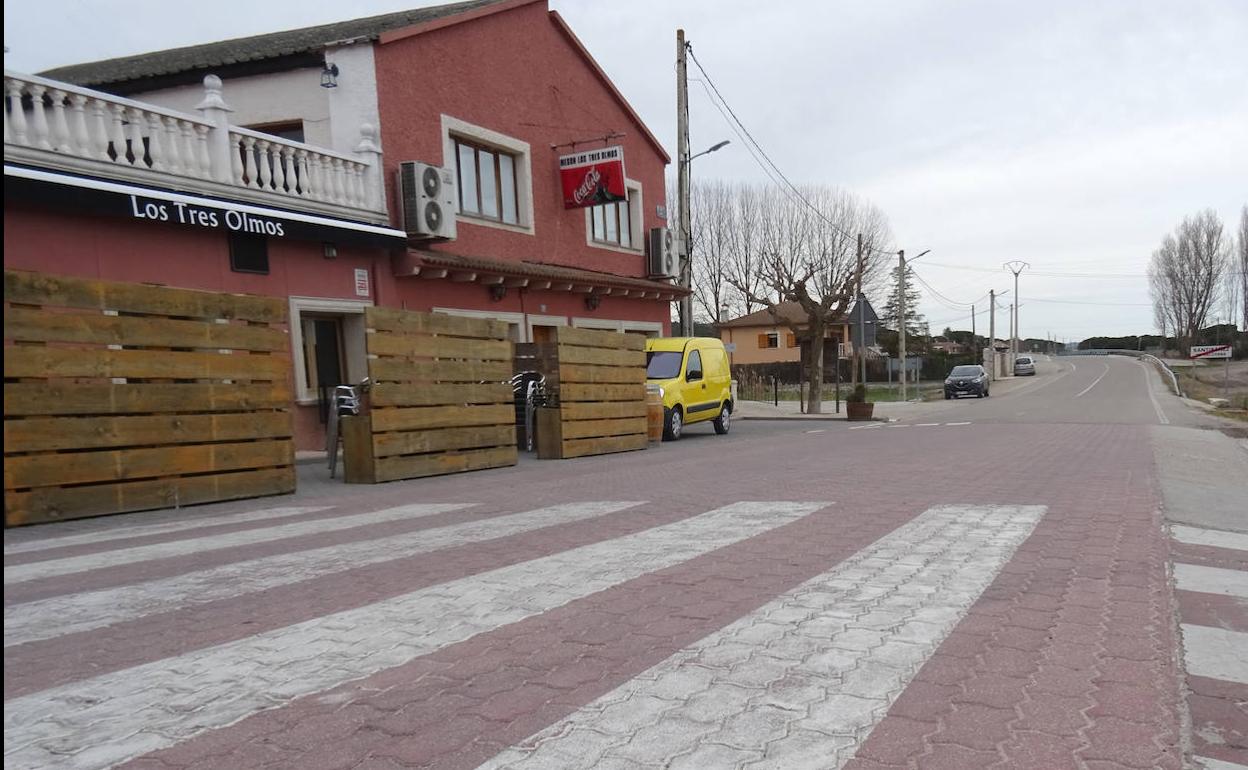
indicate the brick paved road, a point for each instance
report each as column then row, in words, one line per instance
column 986, row 589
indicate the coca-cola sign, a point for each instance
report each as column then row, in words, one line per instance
column 592, row 177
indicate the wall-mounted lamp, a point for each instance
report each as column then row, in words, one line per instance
column 497, row 292
column 592, row 302
column 329, row 76
column 331, row 250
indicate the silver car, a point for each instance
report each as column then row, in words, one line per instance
column 1024, row 366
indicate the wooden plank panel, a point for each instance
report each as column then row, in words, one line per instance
column 43, row 326
column 597, row 446
column 407, row 321
column 401, row 394
column 419, row 346
column 597, row 338
column 603, row 411
column 29, row 361
column 53, row 469
column 357, row 449
column 64, row 291
column 572, row 392
column 417, row 466
column 69, row 398
column 405, row 370
column 424, row 418
column 622, row 375
column 570, row 354
column 423, row 441
column 56, row 503
column 42, row 434
column 573, row 429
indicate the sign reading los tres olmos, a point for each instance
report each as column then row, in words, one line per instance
column 188, row 214
column 592, row 177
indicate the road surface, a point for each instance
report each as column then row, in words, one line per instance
column 987, row 583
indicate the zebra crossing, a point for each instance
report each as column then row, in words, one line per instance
column 579, row 633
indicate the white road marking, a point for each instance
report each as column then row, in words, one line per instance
column 141, row 530
column 1218, row 538
column 1211, row 580
column 957, row 423
column 820, row 430
column 803, row 680
column 1094, row 382
column 1215, row 653
column 73, row 613
column 22, row 573
column 866, row 427
column 1148, row 384
column 899, row 425
column 114, row 717
column 1208, row 763
column 926, row 424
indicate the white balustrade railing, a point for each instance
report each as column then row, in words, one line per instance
column 55, row 117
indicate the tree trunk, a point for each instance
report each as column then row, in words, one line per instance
column 814, row 399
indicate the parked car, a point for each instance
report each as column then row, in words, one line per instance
column 967, row 380
column 693, row 377
column 1024, row 366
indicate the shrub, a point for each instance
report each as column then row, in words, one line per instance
column 858, row 395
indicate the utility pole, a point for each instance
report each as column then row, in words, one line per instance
column 1015, row 266
column 860, row 355
column 901, row 317
column 981, row 356
column 682, row 183
column 992, row 333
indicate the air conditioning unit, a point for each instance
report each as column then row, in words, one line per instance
column 664, row 261
column 428, row 198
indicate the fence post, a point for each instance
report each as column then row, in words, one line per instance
column 775, row 391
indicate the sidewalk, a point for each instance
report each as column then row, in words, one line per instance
column 791, row 410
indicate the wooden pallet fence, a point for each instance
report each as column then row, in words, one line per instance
column 124, row 397
column 598, row 381
column 440, row 401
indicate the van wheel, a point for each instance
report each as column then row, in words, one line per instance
column 673, row 423
column 724, row 421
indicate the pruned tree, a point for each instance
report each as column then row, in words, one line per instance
column 1186, row 273
column 803, row 250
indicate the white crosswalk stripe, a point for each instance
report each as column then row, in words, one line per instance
column 52, row 567
column 1215, row 653
column 141, row 530
column 1211, row 580
column 802, row 681
column 1216, row 538
column 124, row 714
column 59, row 615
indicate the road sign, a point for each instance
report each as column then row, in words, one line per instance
column 1210, row 351
column 730, row 347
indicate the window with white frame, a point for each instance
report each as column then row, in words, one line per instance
column 487, row 182
column 494, row 175
column 616, row 225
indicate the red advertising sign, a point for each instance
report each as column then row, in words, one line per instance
column 592, row 177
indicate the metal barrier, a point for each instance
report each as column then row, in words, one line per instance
column 346, row 401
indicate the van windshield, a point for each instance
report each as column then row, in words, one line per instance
column 663, row 364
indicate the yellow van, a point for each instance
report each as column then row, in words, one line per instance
column 692, row 374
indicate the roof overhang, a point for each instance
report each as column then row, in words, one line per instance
column 457, row 268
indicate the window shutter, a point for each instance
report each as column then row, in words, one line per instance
column 792, row 340
column 762, row 340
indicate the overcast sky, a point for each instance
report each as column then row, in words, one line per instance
column 1069, row 134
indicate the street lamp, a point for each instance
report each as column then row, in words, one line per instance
column 686, row 263
column 901, row 316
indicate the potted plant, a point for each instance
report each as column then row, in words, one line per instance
column 857, row 407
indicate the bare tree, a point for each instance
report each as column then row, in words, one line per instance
column 1185, row 274
column 806, row 253
column 1242, row 267
column 711, row 246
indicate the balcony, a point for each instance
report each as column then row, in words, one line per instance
column 55, row 125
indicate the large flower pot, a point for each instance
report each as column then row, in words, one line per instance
column 859, row 410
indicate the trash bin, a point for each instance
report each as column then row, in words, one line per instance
column 654, row 413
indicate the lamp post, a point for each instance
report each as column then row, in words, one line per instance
column 901, row 315
column 686, row 260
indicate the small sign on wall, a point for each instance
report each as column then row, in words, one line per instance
column 361, row 282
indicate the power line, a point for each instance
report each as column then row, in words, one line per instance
column 750, row 140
